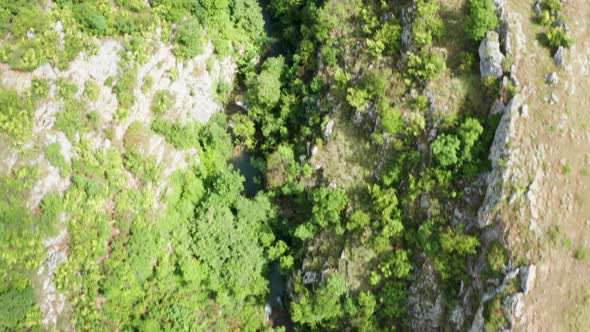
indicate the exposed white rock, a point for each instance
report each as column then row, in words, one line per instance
column 514, row 305
column 537, row 7
column 490, row 56
column 558, row 57
column 552, row 79
column 407, row 27
column 50, row 180
column 329, row 128
column 528, row 275
column 425, row 300
column 51, row 302
column 498, row 156
column 310, row 277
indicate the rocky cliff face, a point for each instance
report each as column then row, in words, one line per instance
column 191, row 83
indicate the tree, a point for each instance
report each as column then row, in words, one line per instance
column 469, row 132
column 281, row 166
column 391, row 120
column 445, row 149
column 265, row 88
column 314, row 309
column 327, row 207
column 188, row 42
column 427, row 24
column 244, row 130
column 359, row 219
column 247, row 17
column 482, row 18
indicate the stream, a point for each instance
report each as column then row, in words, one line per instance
column 276, row 313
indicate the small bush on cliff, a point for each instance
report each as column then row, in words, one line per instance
column 482, row 18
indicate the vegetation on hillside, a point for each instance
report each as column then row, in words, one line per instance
column 190, row 251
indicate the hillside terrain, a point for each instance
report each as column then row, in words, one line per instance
column 294, row 165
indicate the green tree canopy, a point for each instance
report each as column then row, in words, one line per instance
column 482, row 18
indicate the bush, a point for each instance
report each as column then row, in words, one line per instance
column 424, row 67
column 125, row 86
column 29, row 18
column 445, row 150
column 391, row 120
column 72, row 119
column 163, row 100
column 244, row 130
column 265, row 88
column 148, row 82
column 189, row 39
column 427, row 24
column 557, row 36
column 91, row 19
column 145, row 168
column 359, row 219
column 581, row 254
column 135, row 135
column 14, row 307
column 39, row 89
column 497, row 257
column 91, row 90
column 181, row 136
column 66, row 89
column 482, row 18
column 16, row 115
column 55, row 158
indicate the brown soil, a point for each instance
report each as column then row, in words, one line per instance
column 560, row 134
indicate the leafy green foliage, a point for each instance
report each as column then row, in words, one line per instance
column 162, row 101
column 557, row 36
column 124, row 87
column 15, row 306
column 21, row 251
column 265, row 88
column 496, row 257
column 188, row 41
column 359, row 219
column 244, row 130
column 145, row 168
column 427, row 24
column 445, row 150
column 91, row 90
column 281, row 167
column 16, row 115
column 321, row 308
column 72, row 119
column 391, row 120
column 482, row 18
column 181, row 136
column 424, row 67
column 39, row 89
column 55, row 158
column 327, row 207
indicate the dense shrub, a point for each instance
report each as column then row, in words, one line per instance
column 55, row 158
column 482, row 18
column 391, row 120
column 424, row 67
column 427, row 23
column 445, row 150
column 39, row 89
column 91, row 90
column 162, row 101
column 181, row 136
column 16, row 115
column 91, row 19
column 557, row 36
column 188, row 41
